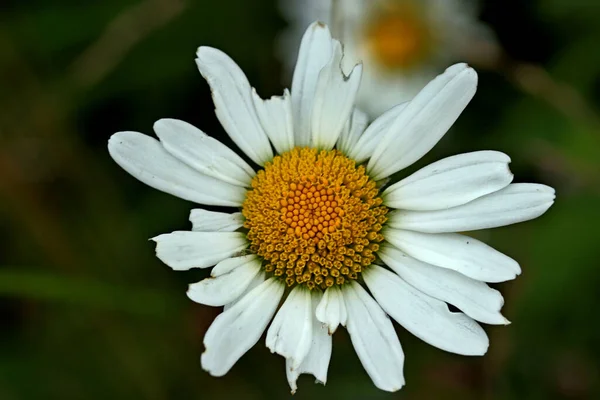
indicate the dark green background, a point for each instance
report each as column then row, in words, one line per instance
column 88, row 312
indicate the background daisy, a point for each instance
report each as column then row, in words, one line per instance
column 403, row 43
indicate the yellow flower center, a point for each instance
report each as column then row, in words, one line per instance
column 398, row 37
column 314, row 217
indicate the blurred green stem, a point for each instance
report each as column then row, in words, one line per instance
column 47, row 286
column 125, row 31
column 536, row 81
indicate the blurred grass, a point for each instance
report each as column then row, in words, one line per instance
column 44, row 286
column 104, row 319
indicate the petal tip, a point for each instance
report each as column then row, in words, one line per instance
column 208, row 369
column 113, row 139
column 319, row 25
column 189, row 294
column 518, row 269
column 393, row 388
column 461, row 66
column 202, row 50
column 162, row 123
column 117, row 139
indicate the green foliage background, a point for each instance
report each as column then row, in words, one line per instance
column 88, row 312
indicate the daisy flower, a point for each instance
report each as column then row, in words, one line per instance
column 402, row 43
column 316, row 226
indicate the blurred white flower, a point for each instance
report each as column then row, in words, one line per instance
column 316, row 222
column 403, row 44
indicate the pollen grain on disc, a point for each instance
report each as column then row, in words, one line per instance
column 314, row 217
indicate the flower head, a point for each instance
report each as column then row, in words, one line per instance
column 402, row 43
column 317, row 224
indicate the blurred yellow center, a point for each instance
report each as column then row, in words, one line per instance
column 398, row 37
column 314, row 217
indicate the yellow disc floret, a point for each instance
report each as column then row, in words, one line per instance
column 314, row 217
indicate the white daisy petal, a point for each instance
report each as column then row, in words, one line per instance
column 182, row 250
column 451, row 182
column 354, row 128
column 425, row 317
column 474, row 298
column 203, row 153
column 147, row 160
column 228, row 280
column 515, row 203
column 234, row 107
column 368, row 141
column 258, row 279
column 315, row 52
column 426, row 119
column 334, row 100
column 316, row 361
column 236, row 330
column 332, row 309
column 374, row 339
column 212, row 221
column 230, row 264
column 457, row 252
column 275, row 115
column 290, row 334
